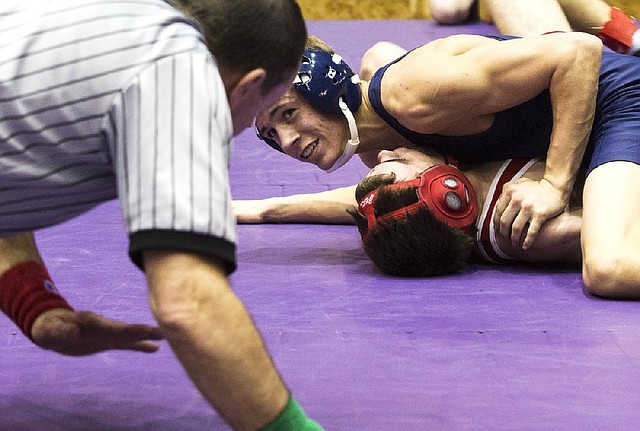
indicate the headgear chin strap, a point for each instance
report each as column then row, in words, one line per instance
column 443, row 190
column 352, row 144
column 328, row 84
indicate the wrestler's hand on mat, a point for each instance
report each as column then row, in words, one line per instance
column 249, row 211
column 523, row 207
column 78, row 333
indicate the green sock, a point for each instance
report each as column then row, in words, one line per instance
column 292, row 418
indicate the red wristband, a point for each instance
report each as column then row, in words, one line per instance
column 26, row 290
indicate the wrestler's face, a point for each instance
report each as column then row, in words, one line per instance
column 405, row 163
column 303, row 132
column 244, row 112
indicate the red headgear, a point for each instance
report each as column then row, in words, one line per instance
column 442, row 189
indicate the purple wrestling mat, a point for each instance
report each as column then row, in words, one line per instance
column 489, row 349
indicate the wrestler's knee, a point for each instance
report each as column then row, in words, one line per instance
column 450, row 11
column 611, row 275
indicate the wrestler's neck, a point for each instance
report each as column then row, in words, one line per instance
column 375, row 133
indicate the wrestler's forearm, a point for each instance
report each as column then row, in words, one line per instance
column 558, row 242
column 573, row 90
column 329, row 207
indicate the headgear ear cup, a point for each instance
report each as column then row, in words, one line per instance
column 446, row 191
column 442, row 189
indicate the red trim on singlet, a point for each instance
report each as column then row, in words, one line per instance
column 487, row 248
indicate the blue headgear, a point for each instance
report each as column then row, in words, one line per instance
column 324, row 80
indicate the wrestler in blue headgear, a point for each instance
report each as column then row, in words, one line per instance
column 329, row 84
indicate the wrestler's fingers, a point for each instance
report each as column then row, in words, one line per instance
column 519, row 226
column 503, row 225
column 532, row 233
column 501, row 205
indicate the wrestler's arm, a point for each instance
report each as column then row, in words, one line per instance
column 329, row 207
column 458, row 83
column 557, row 242
column 573, row 88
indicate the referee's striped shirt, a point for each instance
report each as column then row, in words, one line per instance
column 114, row 98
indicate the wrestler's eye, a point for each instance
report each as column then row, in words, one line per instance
column 398, row 159
column 287, row 113
column 271, row 134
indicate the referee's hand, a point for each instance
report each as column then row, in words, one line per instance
column 78, row 333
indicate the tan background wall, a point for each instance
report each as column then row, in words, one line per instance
column 398, row 9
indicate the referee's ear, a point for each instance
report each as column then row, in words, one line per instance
column 247, row 86
column 246, row 98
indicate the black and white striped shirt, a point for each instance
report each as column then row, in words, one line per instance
column 114, row 98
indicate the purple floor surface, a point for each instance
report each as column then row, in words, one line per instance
column 490, row 349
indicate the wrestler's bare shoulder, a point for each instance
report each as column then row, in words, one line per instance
column 454, row 45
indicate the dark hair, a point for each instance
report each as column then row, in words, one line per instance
column 417, row 246
column 249, row 34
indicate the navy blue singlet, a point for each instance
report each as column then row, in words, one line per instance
column 524, row 131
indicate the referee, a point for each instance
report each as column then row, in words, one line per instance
column 139, row 100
